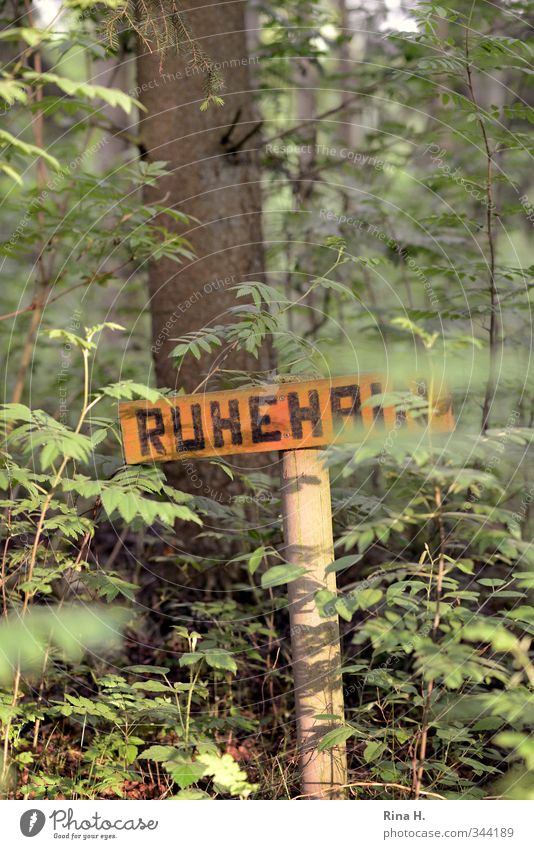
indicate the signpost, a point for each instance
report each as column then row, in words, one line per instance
column 315, row 646
column 297, row 418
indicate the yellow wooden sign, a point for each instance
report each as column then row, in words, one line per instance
column 284, row 416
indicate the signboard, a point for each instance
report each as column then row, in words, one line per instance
column 283, row 416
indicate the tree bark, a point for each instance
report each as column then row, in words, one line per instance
column 214, row 178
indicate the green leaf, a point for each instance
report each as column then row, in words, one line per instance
column 31, row 35
column 49, row 454
column 192, row 796
column 336, row 737
column 343, row 563
column 373, row 751
column 111, row 96
column 524, row 613
column 31, row 150
column 344, row 610
column 366, row 598
column 128, row 506
column 326, row 602
column 130, row 389
column 131, row 753
column 185, row 772
column 330, row 717
column 150, row 670
column 220, row 659
column 15, row 176
column 151, row 686
column 255, row 559
column 190, row 658
column 227, row 774
column 160, row 754
column 284, row 574
column 111, row 498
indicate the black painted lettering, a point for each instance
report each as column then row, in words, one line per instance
column 338, row 394
column 196, row 444
column 298, row 414
column 232, row 423
column 257, row 420
column 147, row 436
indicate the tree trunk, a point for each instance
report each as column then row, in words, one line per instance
column 212, row 157
column 214, row 178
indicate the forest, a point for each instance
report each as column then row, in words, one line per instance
column 315, row 578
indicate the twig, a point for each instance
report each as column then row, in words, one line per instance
column 386, row 784
column 35, row 305
column 317, row 118
column 116, row 548
column 423, row 740
column 238, row 145
column 226, row 137
column 494, row 324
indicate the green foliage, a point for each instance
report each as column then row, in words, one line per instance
column 436, row 610
column 65, row 633
column 48, row 520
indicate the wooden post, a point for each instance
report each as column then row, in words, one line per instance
column 316, row 652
